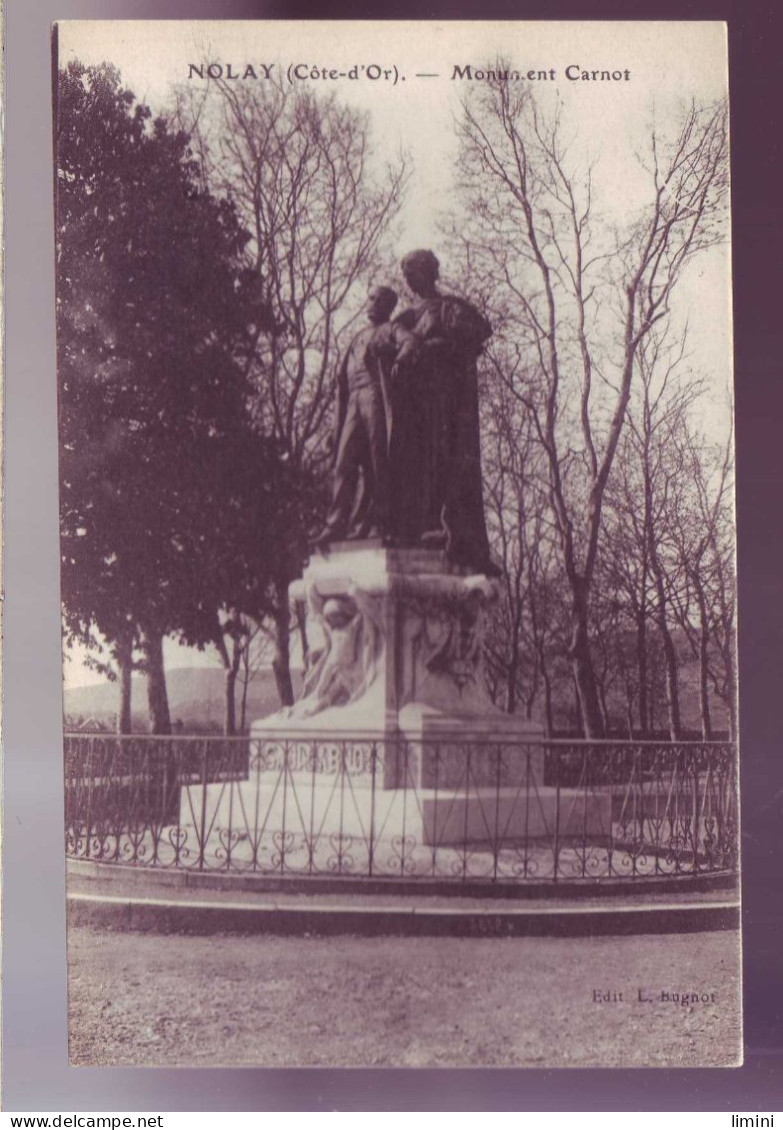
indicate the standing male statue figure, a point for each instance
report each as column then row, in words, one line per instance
column 360, row 479
column 435, row 454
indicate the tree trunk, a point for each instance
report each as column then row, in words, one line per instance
column 728, row 660
column 641, row 660
column 529, row 702
column 548, row 719
column 245, row 689
column 281, row 661
column 124, row 651
column 672, row 688
column 229, row 717
column 604, row 709
column 578, row 719
column 669, row 654
column 511, row 680
column 654, row 680
column 583, row 670
column 157, row 696
column 231, row 665
column 160, row 796
column 301, row 623
column 704, row 693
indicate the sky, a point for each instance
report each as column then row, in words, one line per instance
column 667, row 63
column 415, row 100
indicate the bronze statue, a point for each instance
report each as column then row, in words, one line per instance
column 360, row 479
column 407, row 464
column 435, row 444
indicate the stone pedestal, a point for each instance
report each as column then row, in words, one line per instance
column 397, row 639
column 393, row 752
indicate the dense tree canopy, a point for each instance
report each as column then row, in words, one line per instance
column 165, row 487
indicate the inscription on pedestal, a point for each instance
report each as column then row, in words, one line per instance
column 316, row 758
column 453, row 765
column 463, row 765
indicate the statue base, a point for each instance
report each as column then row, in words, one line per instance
column 394, row 750
column 396, row 656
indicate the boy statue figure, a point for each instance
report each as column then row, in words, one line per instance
column 360, row 478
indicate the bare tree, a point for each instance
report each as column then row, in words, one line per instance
column 667, row 538
column 298, row 168
column 703, row 544
column 643, row 499
column 525, row 625
column 665, row 404
column 624, row 569
column 583, row 298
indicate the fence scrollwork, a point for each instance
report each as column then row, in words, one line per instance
column 456, row 810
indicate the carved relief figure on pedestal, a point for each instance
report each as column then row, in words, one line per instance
column 443, row 645
column 451, row 640
column 347, row 664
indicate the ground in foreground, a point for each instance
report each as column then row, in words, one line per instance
column 405, row 1002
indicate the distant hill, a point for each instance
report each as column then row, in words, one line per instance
column 196, row 697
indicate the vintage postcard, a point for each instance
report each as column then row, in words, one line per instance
column 397, row 532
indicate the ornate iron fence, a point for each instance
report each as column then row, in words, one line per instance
column 454, row 809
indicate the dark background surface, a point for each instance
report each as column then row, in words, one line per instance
column 35, row 1071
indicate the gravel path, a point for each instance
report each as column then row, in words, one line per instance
column 340, row 1002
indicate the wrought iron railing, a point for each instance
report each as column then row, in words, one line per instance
column 452, row 809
